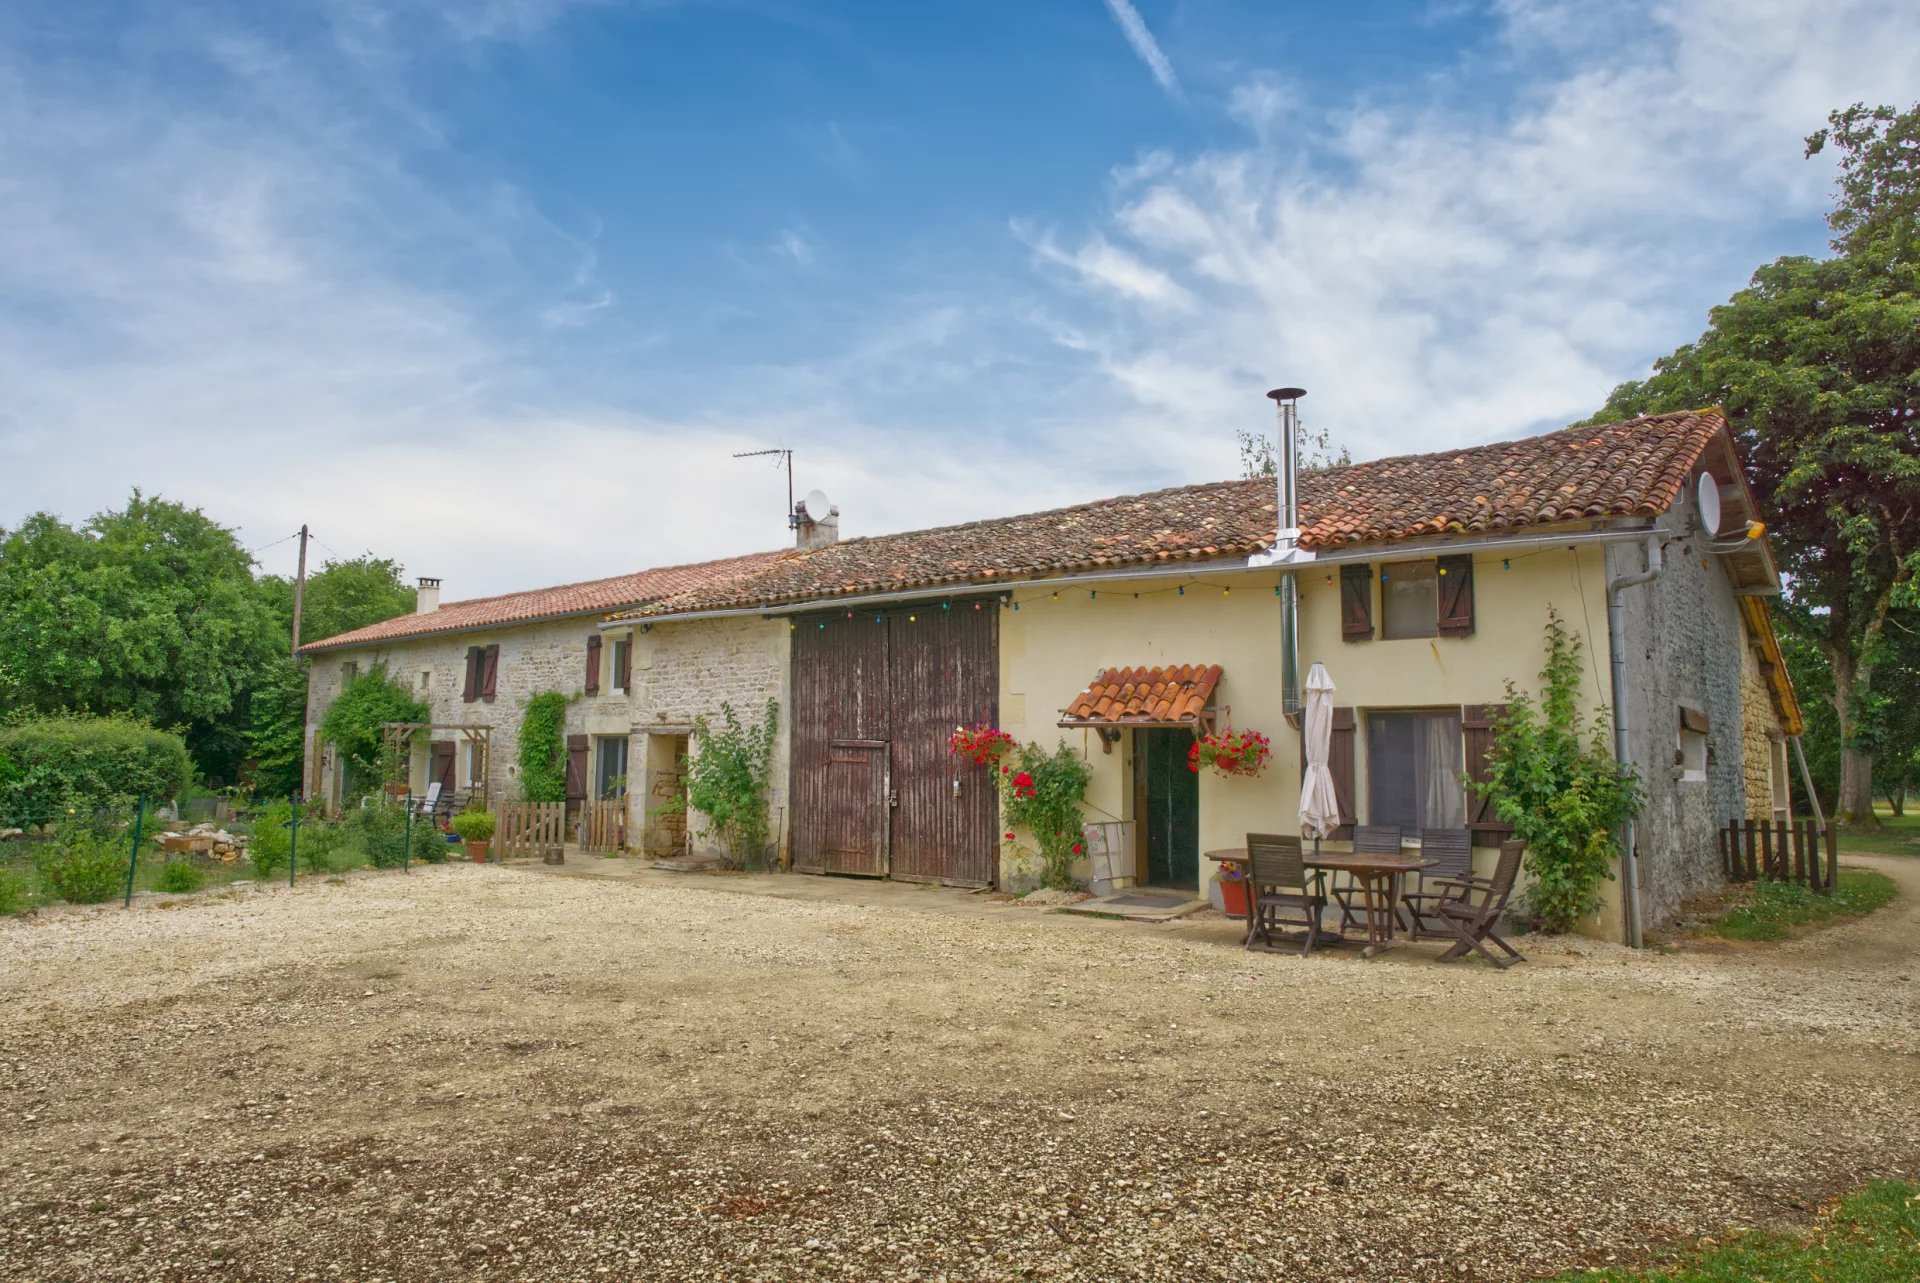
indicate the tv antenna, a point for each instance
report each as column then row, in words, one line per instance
column 786, row 461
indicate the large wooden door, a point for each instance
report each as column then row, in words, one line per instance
column 1171, row 792
column 874, row 699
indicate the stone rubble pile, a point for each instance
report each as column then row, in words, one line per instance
column 206, row 839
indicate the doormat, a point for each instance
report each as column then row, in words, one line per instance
column 1145, row 900
column 1138, row 906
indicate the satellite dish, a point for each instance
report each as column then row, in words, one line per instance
column 817, row 504
column 1706, row 498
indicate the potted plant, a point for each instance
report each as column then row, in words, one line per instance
column 980, row 743
column 475, row 828
column 1230, row 752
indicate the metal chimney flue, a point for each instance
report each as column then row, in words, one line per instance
column 1287, row 403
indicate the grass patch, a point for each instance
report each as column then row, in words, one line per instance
column 1897, row 835
column 1872, row 1237
column 1779, row 910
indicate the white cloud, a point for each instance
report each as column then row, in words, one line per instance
column 1134, row 28
column 795, row 247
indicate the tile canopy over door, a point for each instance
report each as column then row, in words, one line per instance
column 875, row 698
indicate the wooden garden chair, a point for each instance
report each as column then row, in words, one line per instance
column 1470, row 910
column 1279, row 888
column 1451, row 851
column 1368, row 839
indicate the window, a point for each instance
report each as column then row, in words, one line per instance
column 348, row 671
column 1692, row 755
column 1410, row 599
column 1413, row 771
column 610, row 767
column 622, row 650
column 473, row 764
column 426, row 678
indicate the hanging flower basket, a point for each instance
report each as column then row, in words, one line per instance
column 1230, row 752
column 982, row 744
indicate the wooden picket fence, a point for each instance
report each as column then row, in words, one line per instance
column 603, row 825
column 1781, row 851
column 528, row 828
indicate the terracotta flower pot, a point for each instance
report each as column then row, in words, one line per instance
column 478, row 849
column 1233, row 898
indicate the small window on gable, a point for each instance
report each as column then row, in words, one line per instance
column 1692, row 755
column 1410, row 599
column 349, row 669
column 426, row 678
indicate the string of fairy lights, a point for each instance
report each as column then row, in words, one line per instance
column 1014, row 603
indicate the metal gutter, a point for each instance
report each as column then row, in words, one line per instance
column 1617, row 653
column 1300, row 559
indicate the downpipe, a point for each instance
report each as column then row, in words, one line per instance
column 1617, row 653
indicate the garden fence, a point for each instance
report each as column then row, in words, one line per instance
column 528, row 828
column 1781, row 851
column 603, row 825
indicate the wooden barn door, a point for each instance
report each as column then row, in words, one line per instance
column 874, row 700
column 944, row 675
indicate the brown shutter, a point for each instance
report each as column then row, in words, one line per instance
column 593, row 664
column 471, row 691
column 625, row 674
column 1481, row 722
column 491, row 665
column 576, row 767
column 1356, row 602
column 1340, row 751
column 1456, row 596
column 441, row 769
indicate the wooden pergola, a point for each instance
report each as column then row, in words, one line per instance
column 397, row 738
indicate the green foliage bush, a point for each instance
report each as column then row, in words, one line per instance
column 381, row 832
column 429, row 843
column 1041, row 792
column 324, row 847
column 178, row 876
column 474, row 825
column 13, row 893
column 1560, row 788
column 543, row 749
column 727, row 781
column 85, row 763
column 362, row 707
column 271, row 843
column 86, row 864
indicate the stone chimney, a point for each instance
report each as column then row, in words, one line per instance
column 811, row 533
column 426, row 598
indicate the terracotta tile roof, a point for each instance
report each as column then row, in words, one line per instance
column 591, row 597
column 1630, row 469
column 1176, row 693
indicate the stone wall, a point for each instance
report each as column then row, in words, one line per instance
column 680, row 672
column 1686, row 644
column 1762, row 735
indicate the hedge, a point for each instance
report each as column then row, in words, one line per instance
column 85, row 763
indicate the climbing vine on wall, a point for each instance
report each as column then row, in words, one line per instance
column 543, row 749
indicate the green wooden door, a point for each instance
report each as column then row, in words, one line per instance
column 1172, row 818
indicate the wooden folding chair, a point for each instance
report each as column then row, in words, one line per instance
column 1368, row 839
column 1278, row 886
column 1471, row 910
column 1451, row 850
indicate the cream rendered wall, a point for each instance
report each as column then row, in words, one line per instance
column 1050, row 649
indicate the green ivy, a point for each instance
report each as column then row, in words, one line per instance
column 543, row 749
column 727, row 780
column 1557, row 784
column 353, row 721
column 1050, row 808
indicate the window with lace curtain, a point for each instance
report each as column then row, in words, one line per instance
column 1414, row 761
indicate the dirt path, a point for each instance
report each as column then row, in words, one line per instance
column 488, row 1073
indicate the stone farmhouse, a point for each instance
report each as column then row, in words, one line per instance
column 1127, row 625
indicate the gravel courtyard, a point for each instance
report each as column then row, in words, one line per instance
column 497, row 1074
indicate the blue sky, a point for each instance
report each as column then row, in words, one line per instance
column 496, row 287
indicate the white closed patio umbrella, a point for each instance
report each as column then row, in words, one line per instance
column 1319, row 804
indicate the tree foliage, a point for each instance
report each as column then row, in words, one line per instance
column 1556, row 782
column 727, row 780
column 353, row 721
column 1817, row 364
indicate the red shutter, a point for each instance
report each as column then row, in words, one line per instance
column 1481, row 722
column 625, row 674
column 576, row 767
column 1456, row 596
column 491, row 664
column 1356, row 603
column 593, row 664
column 471, row 690
column 1340, row 750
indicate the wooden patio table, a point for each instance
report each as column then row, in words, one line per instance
column 1379, row 878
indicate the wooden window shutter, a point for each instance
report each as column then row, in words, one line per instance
column 1356, row 602
column 1456, row 596
column 1340, row 752
column 624, row 674
column 577, row 767
column 593, row 664
column 1481, row 722
column 471, row 691
column 491, row 663
column 442, row 766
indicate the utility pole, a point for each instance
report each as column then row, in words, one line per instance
column 299, row 590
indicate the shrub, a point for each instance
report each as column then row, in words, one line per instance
column 1041, row 792
column 178, row 876
column 85, row 865
column 429, row 843
column 86, row 763
column 474, row 825
column 323, row 847
column 543, row 750
column 727, row 781
column 362, row 707
column 271, row 842
column 381, row 832
column 13, row 893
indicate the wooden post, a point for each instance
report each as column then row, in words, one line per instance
column 1726, row 865
column 1833, row 855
